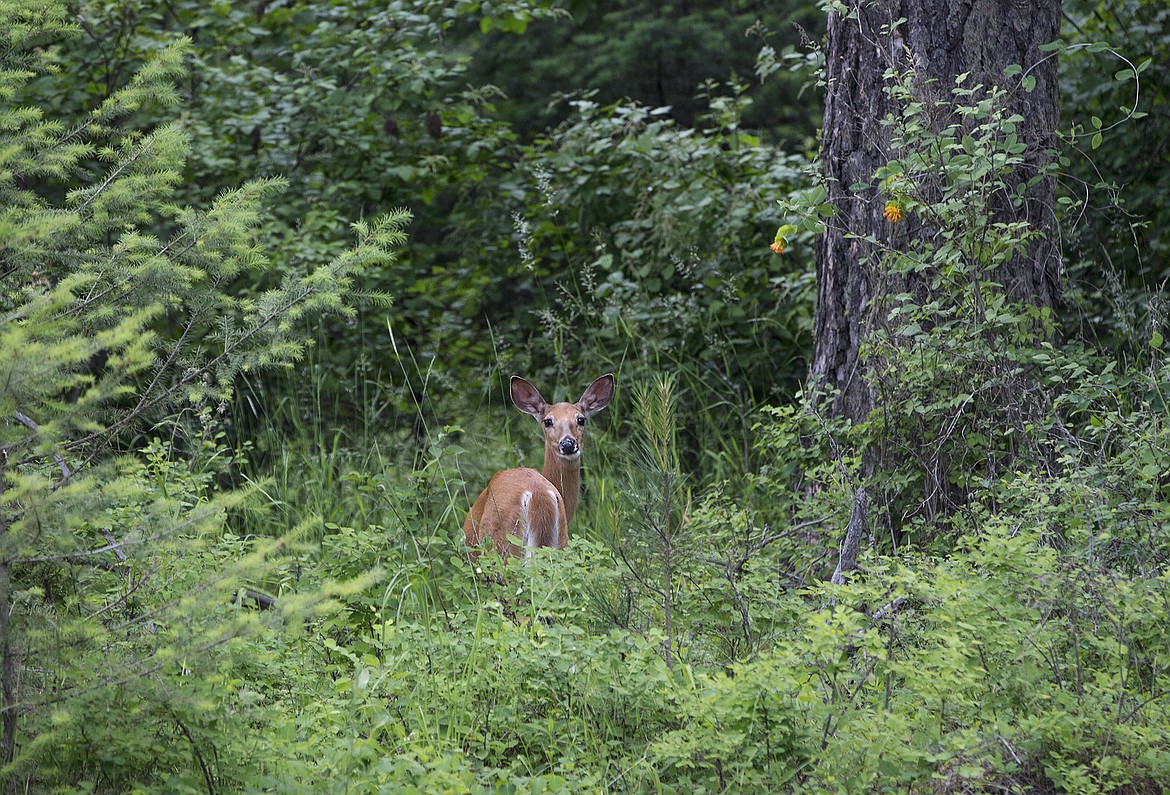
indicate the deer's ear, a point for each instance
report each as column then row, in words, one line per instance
column 598, row 395
column 527, row 397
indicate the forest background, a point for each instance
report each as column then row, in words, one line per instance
column 266, row 269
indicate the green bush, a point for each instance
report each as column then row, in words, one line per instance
column 116, row 330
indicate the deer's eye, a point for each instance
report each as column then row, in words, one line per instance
column 548, row 422
column 581, row 420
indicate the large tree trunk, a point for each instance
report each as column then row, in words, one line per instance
column 938, row 40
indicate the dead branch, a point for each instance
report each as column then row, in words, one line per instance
column 847, row 561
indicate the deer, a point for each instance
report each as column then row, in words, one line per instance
column 536, row 507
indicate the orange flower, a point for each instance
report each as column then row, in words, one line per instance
column 893, row 212
column 778, row 246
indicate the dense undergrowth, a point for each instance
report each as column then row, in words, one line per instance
column 232, row 561
column 1027, row 651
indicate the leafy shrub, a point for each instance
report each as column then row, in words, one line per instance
column 648, row 235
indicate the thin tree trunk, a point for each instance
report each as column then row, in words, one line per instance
column 937, row 40
column 7, row 649
column 7, row 671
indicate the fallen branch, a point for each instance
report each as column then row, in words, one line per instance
column 262, row 600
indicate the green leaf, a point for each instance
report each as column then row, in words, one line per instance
column 783, row 233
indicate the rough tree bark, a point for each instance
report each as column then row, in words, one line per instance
column 938, row 40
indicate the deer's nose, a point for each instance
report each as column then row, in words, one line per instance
column 569, row 446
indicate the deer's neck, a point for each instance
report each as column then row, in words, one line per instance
column 566, row 476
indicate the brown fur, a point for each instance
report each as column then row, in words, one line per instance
column 536, row 507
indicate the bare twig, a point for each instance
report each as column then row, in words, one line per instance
column 1010, row 750
column 732, row 570
column 737, row 567
column 888, row 609
column 24, row 420
column 66, row 473
column 124, row 597
column 766, row 540
column 208, row 777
